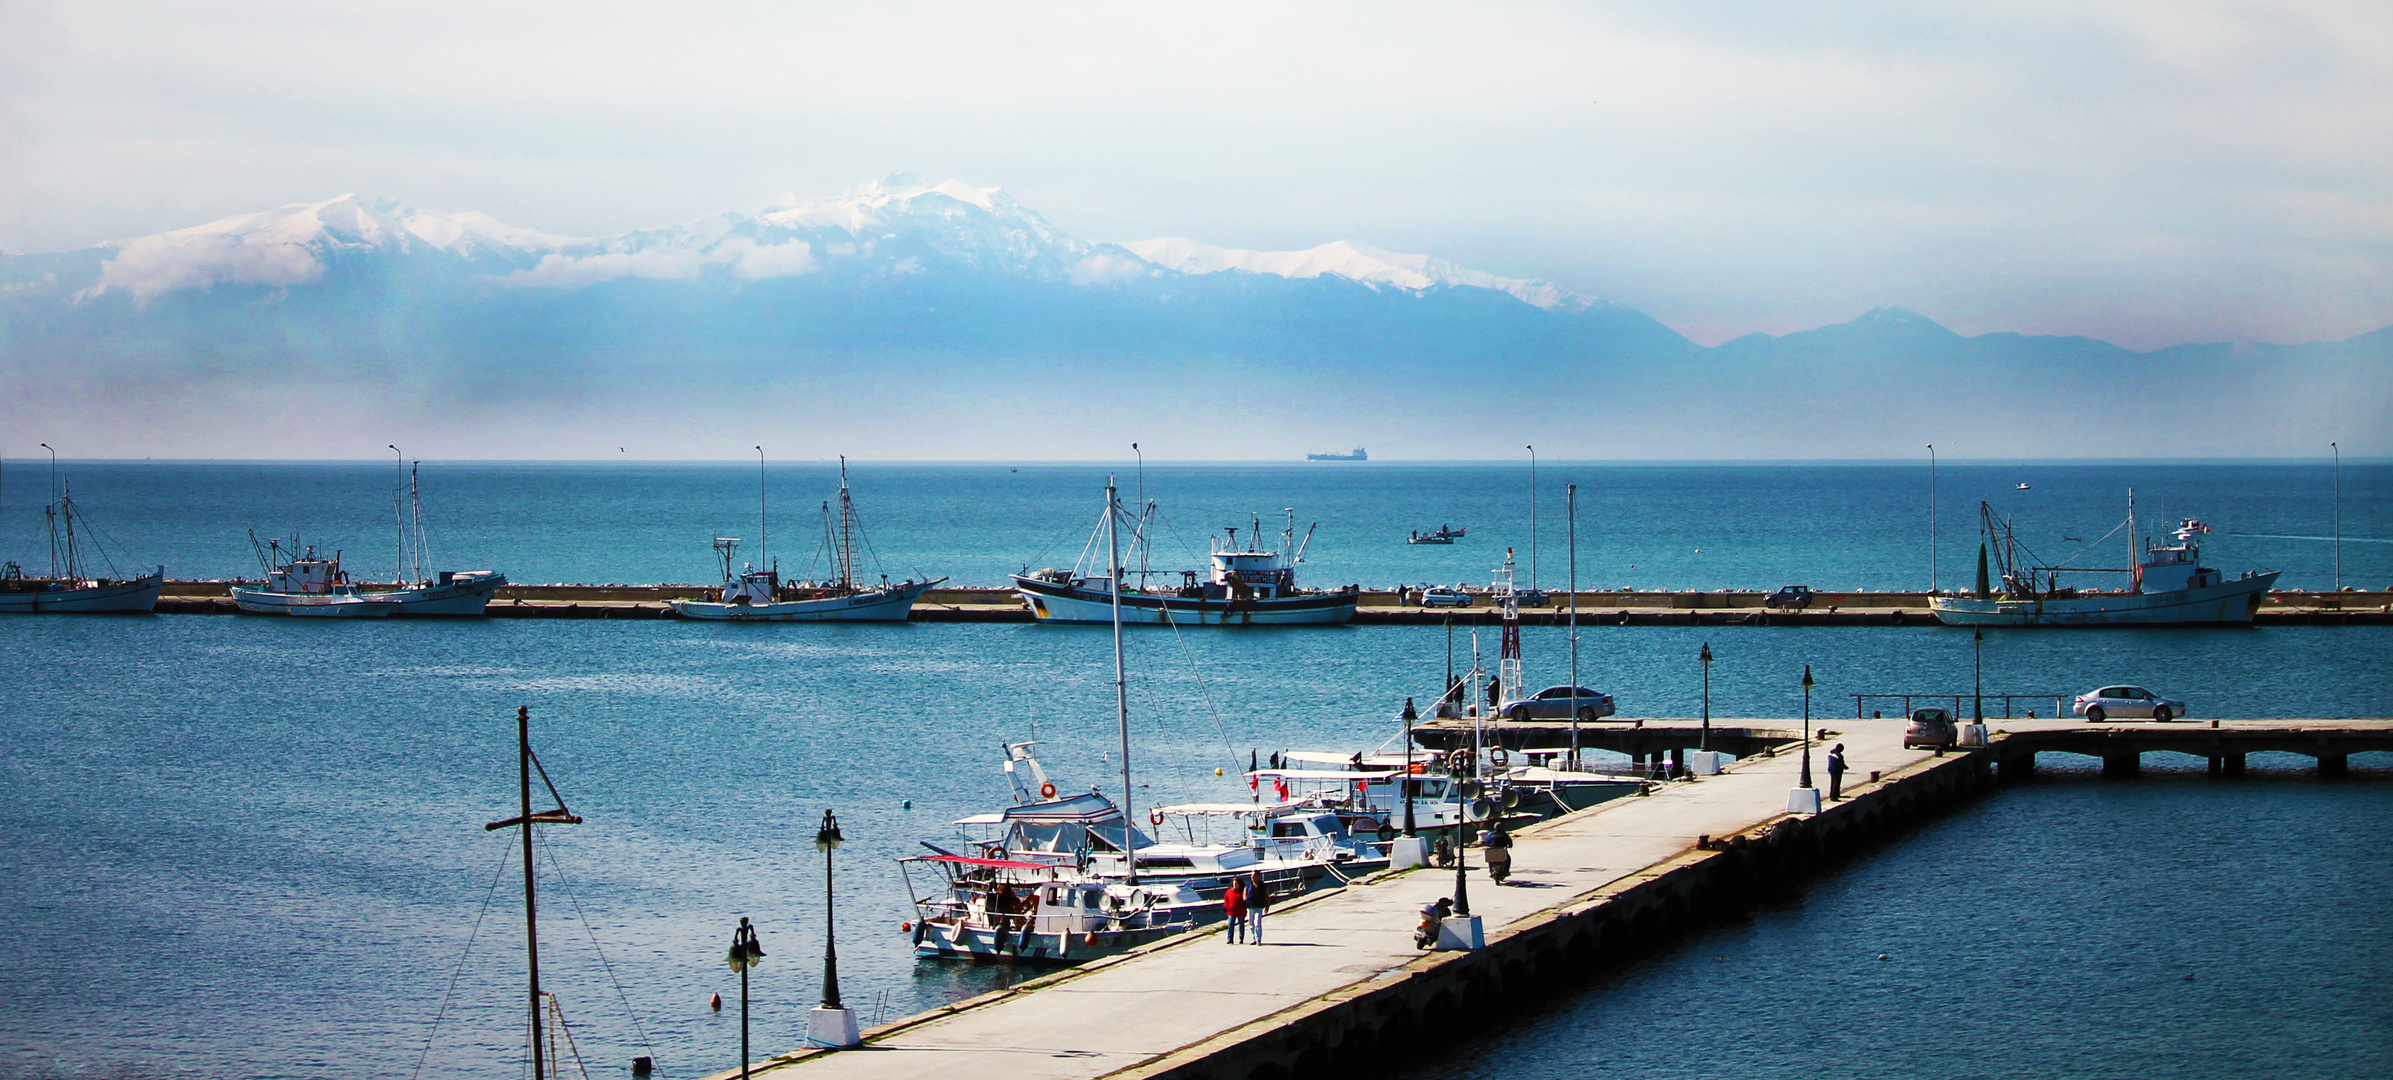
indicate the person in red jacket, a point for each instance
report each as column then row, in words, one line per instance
column 1233, row 904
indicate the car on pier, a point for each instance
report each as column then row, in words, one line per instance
column 1558, row 702
column 1789, row 598
column 1441, row 596
column 1931, row 729
column 2126, row 702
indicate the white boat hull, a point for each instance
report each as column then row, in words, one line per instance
column 2231, row 602
column 1039, row 943
column 1050, row 602
column 137, row 595
column 467, row 595
column 892, row 604
column 311, row 605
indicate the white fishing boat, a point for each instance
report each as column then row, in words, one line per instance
column 753, row 594
column 1244, row 586
column 2167, row 586
column 307, row 586
column 71, row 586
column 447, row 593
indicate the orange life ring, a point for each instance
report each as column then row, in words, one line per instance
column 1155, row 816
column 1046, row 791
column 1499, row 757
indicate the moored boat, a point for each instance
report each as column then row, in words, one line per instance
column 1439, row 535
column 1243, row 586
column 754, row 594
column 307, row 586
column 2168, row 586
column 419, row 594
column 71, row 587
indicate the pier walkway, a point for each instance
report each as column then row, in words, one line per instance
column 1338, row 978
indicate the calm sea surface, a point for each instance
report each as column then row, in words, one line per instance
column 253, row 848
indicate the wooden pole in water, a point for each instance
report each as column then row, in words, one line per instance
column 531, row 918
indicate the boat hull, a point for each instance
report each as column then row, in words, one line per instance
column 1050, row 602
column 113, row 597
column 893, row 604
column 311, row 605
column 1035, row 945
column 466, row 597
column 2227, row 603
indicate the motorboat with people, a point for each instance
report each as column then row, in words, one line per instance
column 759, row 594
column 1440, row 535
column 1246, row 584
column 2167, row 584
column 73, row 584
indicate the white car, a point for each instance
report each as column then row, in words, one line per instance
column 2126, row 702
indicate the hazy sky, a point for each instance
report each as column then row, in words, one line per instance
column 2150, row 173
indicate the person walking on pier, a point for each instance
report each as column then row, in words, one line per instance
column 1836, row 773
column 1233, row 905
column 1258, row 901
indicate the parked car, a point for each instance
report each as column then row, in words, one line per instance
column 1791, row 598
column 1558, row 701
column 1931, row 729
column 1441, row 596
column 2126, row 702
column 1533, row 598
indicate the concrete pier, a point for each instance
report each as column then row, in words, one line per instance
column 1376, row 607
column 1339, row 988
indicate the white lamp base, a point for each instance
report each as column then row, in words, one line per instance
column 833, row 1028
column 1459, row 933
column 1407, row 851
column 1803, row 800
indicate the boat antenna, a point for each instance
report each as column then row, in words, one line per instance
column 525, row 762
column 760, row 548
column 1121, row 685
column 399, row 519
column 51, row 511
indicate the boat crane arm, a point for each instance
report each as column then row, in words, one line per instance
column 1308, row 540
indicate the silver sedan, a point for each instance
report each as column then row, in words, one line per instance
column 2126, row 702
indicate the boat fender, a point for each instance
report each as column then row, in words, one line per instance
column 1155, row 816
column 1498, row 756
column 1047, row 791
column 1512, row 798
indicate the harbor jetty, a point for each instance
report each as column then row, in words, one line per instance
column 1338, row 986
column 1376, row 607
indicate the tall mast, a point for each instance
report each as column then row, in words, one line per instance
column 415, row 504
column 2135, row 558
column 66, row 513
column 1533, row 517
column 525, row 762
column 1121, row 685
column 51, row 511
column 399, row 519
column 761, row 561
column 847, row 529
column 1570, row 502
column 1508, row 659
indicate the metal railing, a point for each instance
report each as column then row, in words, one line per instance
column 2060, row 703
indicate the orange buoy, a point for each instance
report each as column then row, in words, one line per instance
column 715, row 1003
column 906, row 927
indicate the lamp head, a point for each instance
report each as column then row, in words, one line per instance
column 1706, row 655
column 1807, row 683
column 827, row 837
column 1410, row 714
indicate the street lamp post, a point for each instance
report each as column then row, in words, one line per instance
column 1977, row 637
column 1806, row 778
column 1570, row 495
column 1533, row 518
column 1706, row 657
column 830, row 1024
column 1410, row 715
column 1932, row 584
column 746, row 952
column 2338, row 515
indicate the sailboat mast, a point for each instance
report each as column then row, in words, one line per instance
column 761, row 561
column 847, row 530
column 1570, row 503
column 2135, row 559
column 1121, row 685
column 399, row 519
column 50, row 512
column 531, row 920
column 415, row 504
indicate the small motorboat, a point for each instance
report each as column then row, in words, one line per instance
column 1441, row 535
column 2022, row 486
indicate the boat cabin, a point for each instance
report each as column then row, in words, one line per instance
column 2177, row 567
column 309, row 575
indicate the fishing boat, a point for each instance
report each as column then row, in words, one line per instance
column 418, row 594
column 1439, row 535
column 71, row 586
column 1245, row 585
column 2167, row 585
column 753, row 594
column 304, row 584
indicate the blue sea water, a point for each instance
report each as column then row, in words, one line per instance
column 253, row 848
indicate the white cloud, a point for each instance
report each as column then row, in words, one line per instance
column 199, row 260
column 1104, row 268
column 744, row 257
column 757, row 262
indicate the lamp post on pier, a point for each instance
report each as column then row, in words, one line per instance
column 1706, row 657
column 1932, row 583
column 2338, row 515
column 1807, row 684
column 830, row 1024
column 1410, row 715
column 1977, row 637
column 746, row 952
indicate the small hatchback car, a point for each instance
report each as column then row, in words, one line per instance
column 1930, row 729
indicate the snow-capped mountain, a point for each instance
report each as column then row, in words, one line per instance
column 893, row 228
column 1352, row 261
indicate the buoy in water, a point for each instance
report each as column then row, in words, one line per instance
column 715, row 1003
column 1217, row 770
column 906, row 926
column 906, row 805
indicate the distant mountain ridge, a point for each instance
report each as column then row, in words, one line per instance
column 315, row 324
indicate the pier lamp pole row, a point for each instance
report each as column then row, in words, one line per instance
column 1807, row 684
column 746, row 952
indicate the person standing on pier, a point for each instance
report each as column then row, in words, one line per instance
column 1836, row 773
column 1258, row 901
column 1233, row 905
